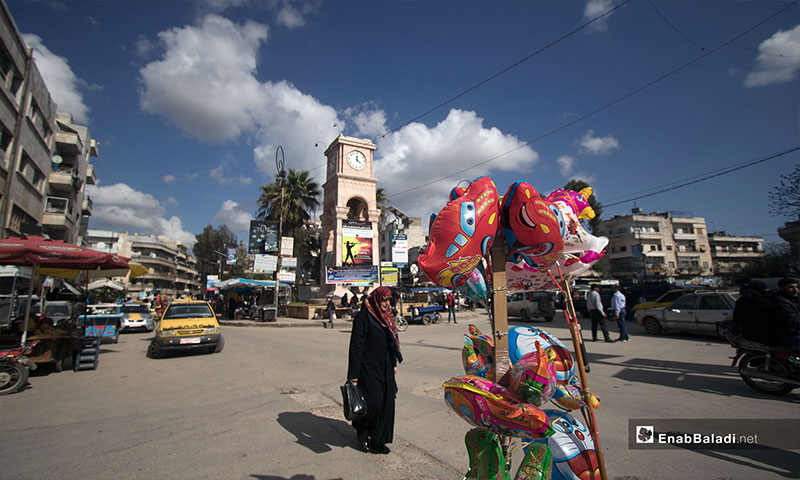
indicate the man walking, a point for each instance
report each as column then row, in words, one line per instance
column 618, row 307
column 595, row 306
column 331, row 307
column 451, row 307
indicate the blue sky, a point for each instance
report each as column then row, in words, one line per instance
column 190, row 99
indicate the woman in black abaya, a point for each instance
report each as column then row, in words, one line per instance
column 373, row 357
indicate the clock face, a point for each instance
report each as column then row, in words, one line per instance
column 357, row 160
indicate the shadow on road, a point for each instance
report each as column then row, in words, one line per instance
column 785, row 463
column 316, row 433
column 299, row 476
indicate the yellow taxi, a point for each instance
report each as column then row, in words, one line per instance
column 187, row 325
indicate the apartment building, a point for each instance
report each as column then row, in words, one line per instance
column 171, row 269
column 411, row 227
column 656, row 245
column 67, row 207
column 731, row 254
column 27, row 133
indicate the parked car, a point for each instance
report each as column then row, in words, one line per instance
column 136, row 316
column 662, row 301
column 697, row 312
column 529, row 304
column 187, row 325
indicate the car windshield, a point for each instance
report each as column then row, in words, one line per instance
column 188, row 311
column 135, row 309
column 56, row 310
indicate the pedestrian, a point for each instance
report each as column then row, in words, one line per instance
column 618, row 307
column 595, row 306
column 373, row 357
column 748, row 314
column 451, row 307
column 331, row 310
column 785, row 311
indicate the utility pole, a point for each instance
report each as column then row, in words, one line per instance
column 280, row 177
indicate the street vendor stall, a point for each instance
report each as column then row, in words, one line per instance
column 258, row 295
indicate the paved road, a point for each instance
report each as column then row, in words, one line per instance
column 267, row 407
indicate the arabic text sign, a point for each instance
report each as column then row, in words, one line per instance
column 354, row 274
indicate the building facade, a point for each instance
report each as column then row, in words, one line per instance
column 171, row 269
column 731, row 254
column 27, row 133
column 401, row 223
column 656, row 245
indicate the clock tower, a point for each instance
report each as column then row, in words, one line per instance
column 349, row 202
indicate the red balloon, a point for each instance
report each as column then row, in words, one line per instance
column 533, row 227
column 462, row 234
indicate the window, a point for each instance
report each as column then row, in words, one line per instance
column 5, row 139
column 623, row 249
column 31, row 172
column 669, row 248
column 712, row 302
column 686, row 302
column 671, row 264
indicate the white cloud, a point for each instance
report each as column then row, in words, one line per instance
column 586, row 177
column 369, row 120
column 598, row 145
column 60, row 79
column 171, row 202
column 120, row 207
column 232, row 215
column 226, row 164
column 565, row 164
column 169, row 178
column 206, row 84
column 594, row 8
column 772, row 69
column 417, row 153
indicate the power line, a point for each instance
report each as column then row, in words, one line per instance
column 708, row 177
column 513, row 65
column 602, row 107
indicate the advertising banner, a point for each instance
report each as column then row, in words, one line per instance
column 389, row 276
column 289, row 262
column 263, row 237
column 400, row 249
column 367, row 274
column 212, row 281
column 231, row 257
column 286, row 276
column 287, row 246
column 265, row 263
column 356, row 243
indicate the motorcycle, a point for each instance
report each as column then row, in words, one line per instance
column 15, row 367
column 763, row 368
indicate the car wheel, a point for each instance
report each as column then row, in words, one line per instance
column 436, row 317
column 153, row 352
column 652, row 326
column 427, row 319
column 523, row 315
column 548, row 319
column 402, row 324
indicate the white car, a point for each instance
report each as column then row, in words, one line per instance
column 136, row 316
column 693, row 312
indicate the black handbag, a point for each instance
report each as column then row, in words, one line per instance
column 353, row 402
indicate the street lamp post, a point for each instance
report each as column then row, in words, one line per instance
column 281, row 176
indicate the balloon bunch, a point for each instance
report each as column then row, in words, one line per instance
column 542, row 370
column 542, row 235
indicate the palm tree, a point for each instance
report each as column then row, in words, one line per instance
column 300, row 198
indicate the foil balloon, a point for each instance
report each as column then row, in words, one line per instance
column 570, row 396
column 533, row 377
column 462, row 234
column 533, row 227
column 572, row 446
column 477, row 354
column 578, row 201
column 489, row 406
column 522, row 341
column 475, row 287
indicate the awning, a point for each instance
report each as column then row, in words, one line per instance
column 106, row 283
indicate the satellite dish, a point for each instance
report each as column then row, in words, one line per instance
column 57, row 159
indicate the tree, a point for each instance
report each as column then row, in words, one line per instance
column 381, row 200
column 784, row 199
column 776, row 262
column 300, row 199
column 578, row 185
column 210, row 244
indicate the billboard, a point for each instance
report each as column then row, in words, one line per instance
column 265, row 263
column 230, row 259
column 362, row 275
column 263, row 237
column 389, row 276
column 356, row 243
column 400, row 249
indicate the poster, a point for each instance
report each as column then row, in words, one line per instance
column 389, row 276
column 263, row 237
column 212, row 281
column 287, row 246
column 265, row 263
column 231, row 256
column 400, row 249
column 353, row 275
column 356, row 243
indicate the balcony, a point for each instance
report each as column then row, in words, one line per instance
column 86, row 207
column 68, row 142
column 57, row 214
column 684, row 236
column 91, row 179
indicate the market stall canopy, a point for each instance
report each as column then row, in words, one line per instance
column 136, row 270
column 56, row 253
column 106, row 283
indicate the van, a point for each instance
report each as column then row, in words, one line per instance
column 187, row 325
column 529, row 304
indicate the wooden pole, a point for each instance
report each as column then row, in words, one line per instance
column 574, row 329
column 502, row 363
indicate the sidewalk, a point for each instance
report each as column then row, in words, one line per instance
column 282, row 322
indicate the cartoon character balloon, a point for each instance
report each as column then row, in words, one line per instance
column 462, row 234
column 475, row 287
column 572, row 446
column 533, row 227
